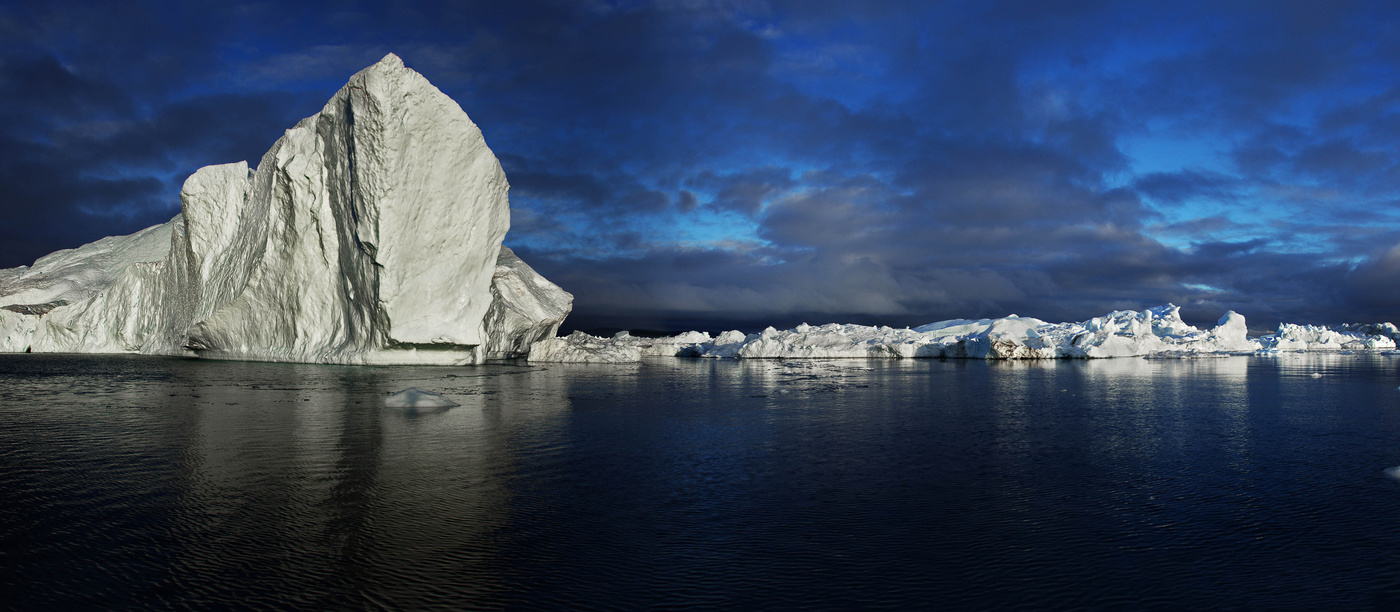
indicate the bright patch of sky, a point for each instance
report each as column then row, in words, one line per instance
column 704, row 226
column 1162, row 151
column 1249, row 212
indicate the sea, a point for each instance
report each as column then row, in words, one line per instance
column 1244, row 482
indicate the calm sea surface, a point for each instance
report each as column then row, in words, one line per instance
column 1241, row 482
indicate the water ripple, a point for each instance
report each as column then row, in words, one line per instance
column 166, row 483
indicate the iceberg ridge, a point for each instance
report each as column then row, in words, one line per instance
column 1155, row 331
column 369, row 233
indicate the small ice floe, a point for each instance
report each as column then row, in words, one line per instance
column 1393, row 472
column 414, row 398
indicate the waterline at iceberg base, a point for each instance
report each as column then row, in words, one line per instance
column 1155, row 332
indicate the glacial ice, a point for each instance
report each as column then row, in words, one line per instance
column 369, row 233
column 1156, row 332
column 525, row 308
column 1291, row 337
column 579, row 347
column 414, row 397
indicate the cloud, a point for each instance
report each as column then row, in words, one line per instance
column 744, row 192
column 743, row 162
column 1178, row 187
column 88, row 151
column 1372, row 289
column 686, row 201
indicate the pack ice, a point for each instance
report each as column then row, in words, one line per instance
column 369, row 233
column 1125, row 333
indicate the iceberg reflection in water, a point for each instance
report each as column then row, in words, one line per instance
column 417, row 399
column 1227, row 482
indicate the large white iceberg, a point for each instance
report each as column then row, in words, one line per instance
column 1125, row 333
column 369, row 233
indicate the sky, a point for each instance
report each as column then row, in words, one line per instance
column 717, row 164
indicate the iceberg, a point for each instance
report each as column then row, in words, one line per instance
column 525, row 308
column 370, row 233
column 579, row 347
column 1290, row 337
column 1154, row 332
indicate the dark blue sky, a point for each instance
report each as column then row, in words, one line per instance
column 707, row 163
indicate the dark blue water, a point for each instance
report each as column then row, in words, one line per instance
column 1237, row 483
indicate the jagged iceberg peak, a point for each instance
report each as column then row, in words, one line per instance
column 390, row 60
column 405, row 203
column 370, row 232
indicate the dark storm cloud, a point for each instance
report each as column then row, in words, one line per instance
column 1186, row 185
column 1203, row 226
column 686, row 201
column 1268, row 149
column 744, row 192
column 843, row 218
column 741, row 162
column 1215, row 251
column 39, row 90
column 1237, row 62
column 579, row 188
column 1370, row 290
column 192, row 132
column 593, row 214
column 88, row 146
column 1338, row 162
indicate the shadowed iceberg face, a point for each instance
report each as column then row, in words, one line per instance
column 418, row 399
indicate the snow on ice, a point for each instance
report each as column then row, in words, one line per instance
column 1158, row 332
column 369, row 233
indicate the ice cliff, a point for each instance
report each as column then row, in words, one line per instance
column 1153, row 332
column 369, row 233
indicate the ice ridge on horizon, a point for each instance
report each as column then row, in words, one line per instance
column 1155, row 331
